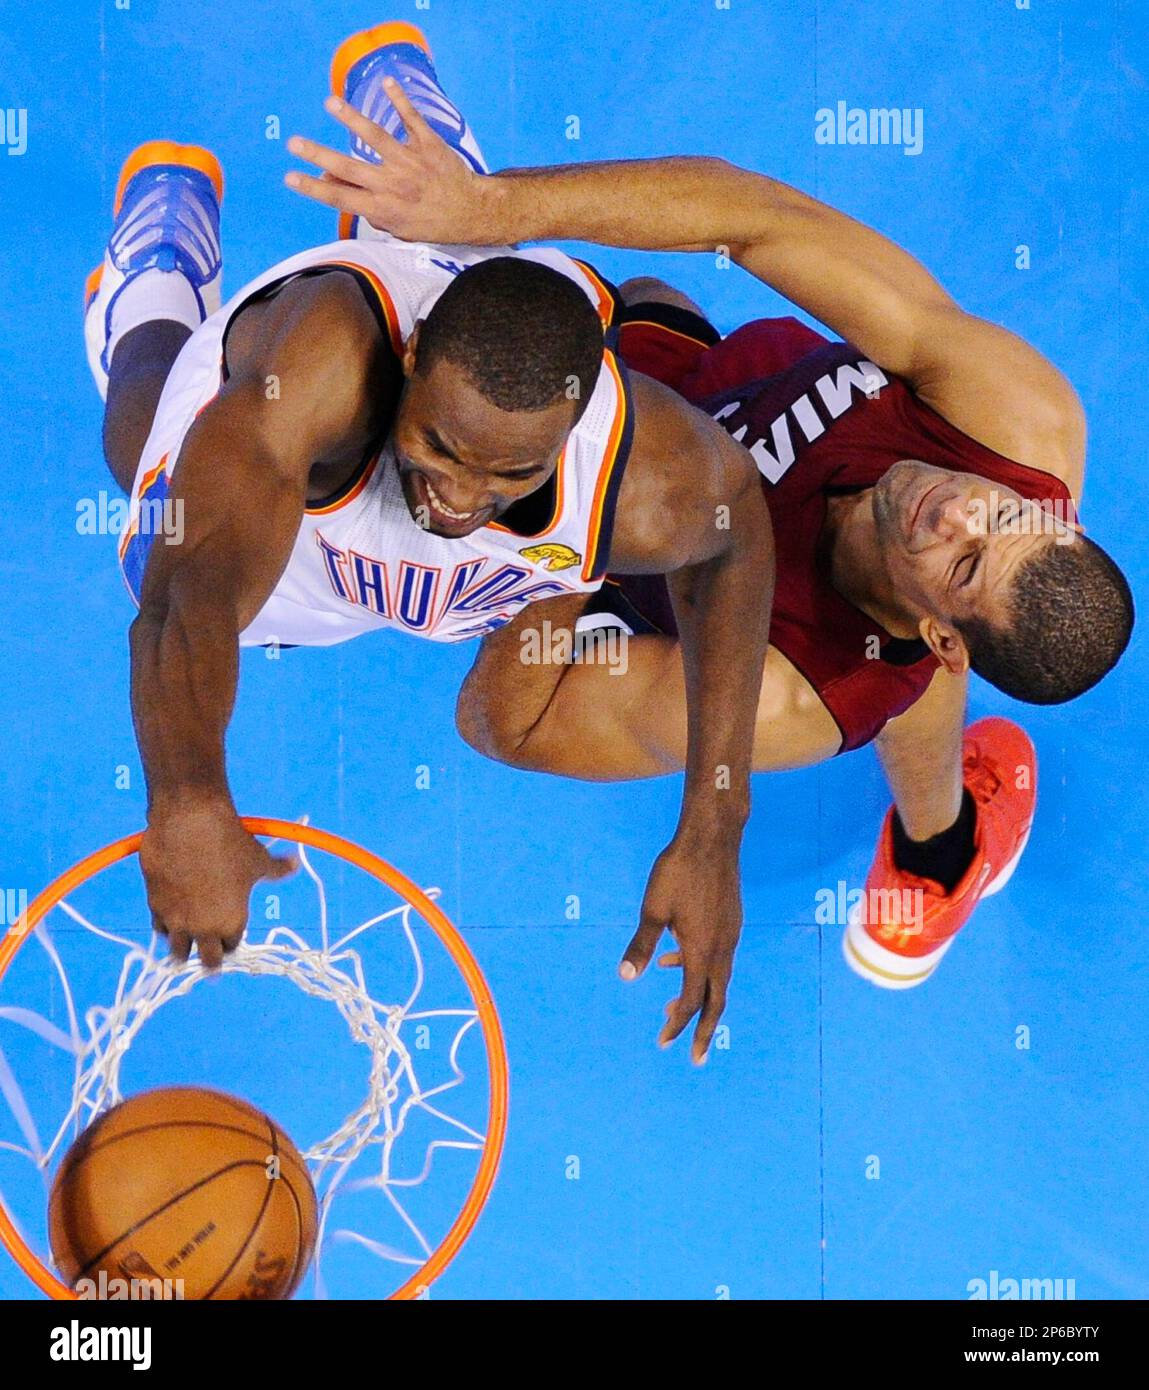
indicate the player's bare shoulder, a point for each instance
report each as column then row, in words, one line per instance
column 684, row 476
column 1003, row 392
column 316, row 347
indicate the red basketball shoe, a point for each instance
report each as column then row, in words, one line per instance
column 898, row 933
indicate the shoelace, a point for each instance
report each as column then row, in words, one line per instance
column 981, row 777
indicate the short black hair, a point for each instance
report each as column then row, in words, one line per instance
column 1070, row 619
column 525, row 335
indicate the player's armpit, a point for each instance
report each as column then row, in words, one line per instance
column 998, row 389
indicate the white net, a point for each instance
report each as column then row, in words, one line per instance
column 365, row 1153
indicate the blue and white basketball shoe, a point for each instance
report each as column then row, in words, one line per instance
column 400, row 51
column 166, row 218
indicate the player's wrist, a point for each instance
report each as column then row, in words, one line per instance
column 188, row 800
column 714, row 812
column 499, row 215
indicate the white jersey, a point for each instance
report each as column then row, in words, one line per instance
column 360, row 560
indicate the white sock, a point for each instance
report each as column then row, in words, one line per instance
column 156, row 294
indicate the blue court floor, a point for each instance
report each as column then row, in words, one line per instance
column 847, row 1143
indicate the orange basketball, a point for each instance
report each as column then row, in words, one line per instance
column 187, row 1185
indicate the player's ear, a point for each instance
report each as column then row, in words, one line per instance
column 410, row 349
column 946, row 643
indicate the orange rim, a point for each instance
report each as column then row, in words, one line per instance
column 168, row 152
column 359, row 45
column 440, row 924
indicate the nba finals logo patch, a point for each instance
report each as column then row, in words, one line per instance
column 551, row 556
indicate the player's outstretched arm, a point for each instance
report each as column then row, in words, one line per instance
column 241, row 482
column 691, row 507
column 982, row 378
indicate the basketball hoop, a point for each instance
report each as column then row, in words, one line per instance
column 334, row 970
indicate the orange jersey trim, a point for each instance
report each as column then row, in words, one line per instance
column 606, row 301
column 606, row 472
column 149, row 480
column 388, row 304
column 339, row 503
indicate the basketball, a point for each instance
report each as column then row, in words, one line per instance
column 188, row 1186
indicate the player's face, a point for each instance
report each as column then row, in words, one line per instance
column 952, row 542
column 463, row 461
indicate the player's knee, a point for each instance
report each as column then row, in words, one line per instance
column 493, row 729
column 648, row 289
column 486, row 725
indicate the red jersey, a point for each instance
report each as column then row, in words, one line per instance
column 819, row 419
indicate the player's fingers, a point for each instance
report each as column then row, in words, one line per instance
column 637, row 955
column 688, row 1003
column 367, row 130
column 276, row 866
column 416, row 127
column 179, row 943
column 210, row 952
column 158, row 925
column 668, row 959
column 340, row 166
column 331, row 192
column 708, row 1021
column 232, row 939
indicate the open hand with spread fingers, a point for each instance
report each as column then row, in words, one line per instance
column 421, row 191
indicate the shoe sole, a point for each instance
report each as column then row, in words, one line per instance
column 890, row 969
column 168, row 152
column 147, row 156
column 367, row 41
column 92, row 285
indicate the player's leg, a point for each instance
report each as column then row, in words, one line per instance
column 139, row 368
column 160, row 278
column 400, row 51
column 964, row 801
column 618, row 712
column 523, row 686
column 920, row 752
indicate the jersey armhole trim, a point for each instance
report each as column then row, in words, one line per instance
column 610, row 306
column 600, row 532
